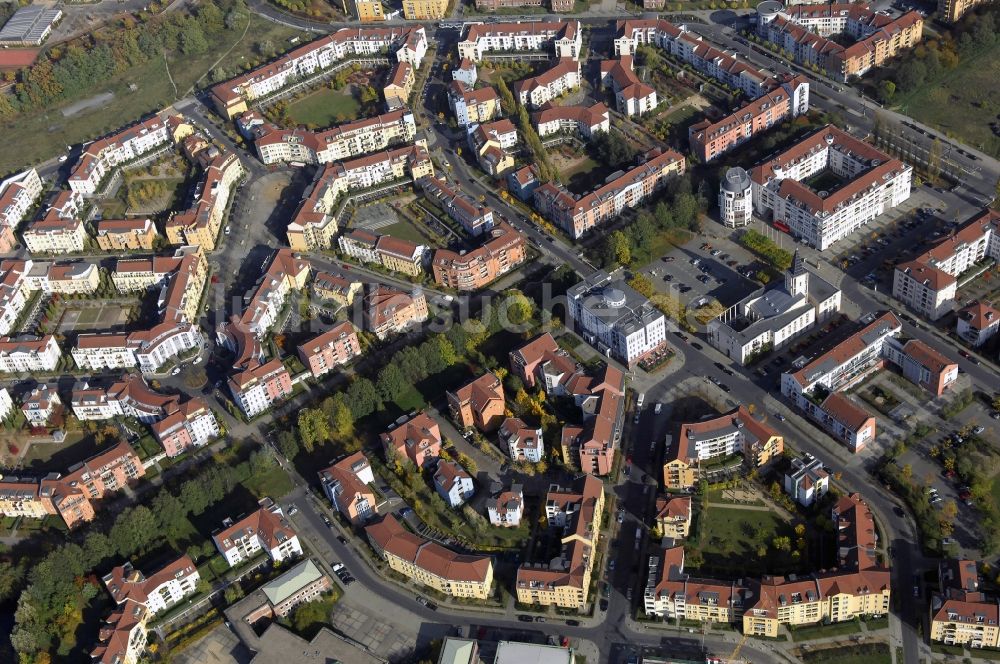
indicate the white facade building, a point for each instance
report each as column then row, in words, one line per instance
column 265, row 530
column 868, row 183
column 735, row 198
column 453, row 483
column 770, row 319
column 27, row 354
column 614, row 318
column 506, row 510
column 806, row 481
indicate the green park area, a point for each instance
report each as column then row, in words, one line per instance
column 962, row 103
column 749, row 540
column 90, row 98
column 325, row 107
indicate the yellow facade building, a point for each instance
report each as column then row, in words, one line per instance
column 430, row 563
column 424, row 10
column 369, row 11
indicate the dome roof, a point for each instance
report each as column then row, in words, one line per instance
column 736, row 181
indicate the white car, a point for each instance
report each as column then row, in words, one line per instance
column 176, row 371
column 228, row 230
column 197, row 360
column 63, row 158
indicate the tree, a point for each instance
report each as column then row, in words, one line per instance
column 134, row 528
column 888, row 90
column 288, row 444
column 341, row 421
column 612, row 148
column 934, row 161
column 506, row 98
column 193, row 40
column 621, row 250
column 313, row 427
column 391, row 382
column 517, row 307
column 782, row 543
column 362, row 398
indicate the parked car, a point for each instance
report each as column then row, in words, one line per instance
column 524, row 618
column 573, row 623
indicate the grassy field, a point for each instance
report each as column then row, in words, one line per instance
column 36, row 137
column 825, row 631
column 869, row 653
column 963, row 102
column 405, row 230
column 730, row 536
column 325, row 107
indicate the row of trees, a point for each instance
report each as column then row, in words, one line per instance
column 765, row 247
column 546, row 172
column 54, row 590
column 69, row 71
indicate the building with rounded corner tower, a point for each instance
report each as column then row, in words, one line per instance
column 735, row 198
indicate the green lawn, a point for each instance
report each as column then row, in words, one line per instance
column 729, row 539
column 273, row 484
column 962, row 102
column 825, row 631
column 405, row 230
column 868, row 653
column 38, row 136
column 325, row 107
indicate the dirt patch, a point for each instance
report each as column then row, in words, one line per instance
column 97, row 101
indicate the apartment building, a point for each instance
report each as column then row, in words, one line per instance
column 314, row 226
column 578, row 215
column 771, row 318
column 614, row 318
column 950, row 11
column 14, row 291
column 163, row 589
column 276, row 145
column 585, row 121
column 697, row 444
column 632, row 97
column 146, row 349
column 466, row 72
column 858, row 587
column 123, row 636
column 473, row 106
column 529, row 360
column 201, row 224
column 425, row 10
column 806, row 481
column 399, row 87
column 368, row 11
column 871, row 183
column 929, row 283
column 278, row 597
column 429, row 563
column 673, row 516
column 101, row 157
column 125, row 234
column 18, row 195
column 453, row 483
column 128, row 397
column 479, row 403
column 561, row 38
column 410, row 162
column 402, row 44
column 523, row 182
column 805, row 31
column 59, row 231
column 708, row 140
column 521, row 441
column 21, row 498
column 6, row 403
column 562, row 77
column 390, row 252
column 266, row 530
column 672, row 594
column 961, row 613
column 508, row 507
column 417, row 440
column 285, row 272
column 600, row 398
column 735, row 198
column 346, row 485
column 40, row 405
column 26, row 354
column 492, row 143
column 689, row 48
column 331, row 349
column 922, row 364
column 493, row 5
column 389, row 311
column 474, row 218
column 575, row 513
column 978, row 323
column 257, row 387
column 107, row 472
column 503, row 250
column 192, row 424
column 70, row 278
column 334, row 288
